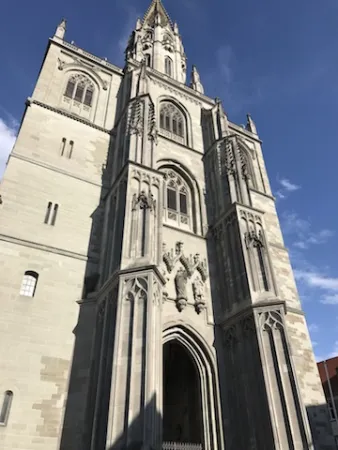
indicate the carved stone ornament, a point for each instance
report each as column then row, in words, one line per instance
column 190, row 263
column 61, row 64
column 136, row 289
column 199, row 295
column 105, row 85
column 254, row 239
column 271, row 320
column 181, row 279
column 144, row 201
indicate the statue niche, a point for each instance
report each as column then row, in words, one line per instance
column 181, row 280
column 199, row 295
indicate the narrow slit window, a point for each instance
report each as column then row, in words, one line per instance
column 171, row 199
column 88, row 97
column 71, row 147
column 70, row 89
column 167, row 123
column 79, row 93
column 183, row 203
column 148, row 60
column 29, row 282
column 6, row 406
column 262, row 268
column 162, row 120
column 63, row 146
column 49, row 209
column 55, row 211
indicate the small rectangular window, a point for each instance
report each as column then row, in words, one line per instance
column 171, row 199
column 70, row 89
column 79, row 93
column 55, row 211
column 6, row 406
column 49, row 209
column 88, row 97
column 183, row 204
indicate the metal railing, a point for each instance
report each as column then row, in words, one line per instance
column 181, row 446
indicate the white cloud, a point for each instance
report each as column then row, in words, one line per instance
column 7, row 139
column 288, row 185
column 330, row 299
column 300, row 230
column 313, row 328
column 286, row 188
column 328, row 285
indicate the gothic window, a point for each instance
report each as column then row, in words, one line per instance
column 29, row 282
column 80, row 89
column 177, row 200
column 168, row 66
column 51, row 213
column 172, row 122
column 6, row 406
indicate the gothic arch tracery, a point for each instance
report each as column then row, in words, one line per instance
column 204, row 361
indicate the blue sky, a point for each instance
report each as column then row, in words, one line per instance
column 276, row 60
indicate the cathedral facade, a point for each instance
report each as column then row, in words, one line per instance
column 147, row 297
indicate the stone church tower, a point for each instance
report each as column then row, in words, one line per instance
column 147, row 298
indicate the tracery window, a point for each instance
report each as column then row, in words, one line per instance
column 177, row 199
column 80, row 89
column 172, row 123
column 168, row 66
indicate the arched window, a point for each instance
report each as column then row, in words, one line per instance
column 168, row 66
column 6, row 406
column 172, row 122
column 177, row 200
column 29, row 282
column 147, row 58
column 80, row 89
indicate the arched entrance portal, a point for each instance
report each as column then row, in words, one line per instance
column 182, row 408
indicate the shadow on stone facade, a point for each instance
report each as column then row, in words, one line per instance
column 321, row 432
column 79, row 406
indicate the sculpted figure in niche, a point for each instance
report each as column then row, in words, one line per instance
column 199, row 295
column 181, row 289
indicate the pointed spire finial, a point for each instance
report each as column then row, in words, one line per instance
column 61, row 29
column 196, row 80
column 142, row 85
column 250, row 125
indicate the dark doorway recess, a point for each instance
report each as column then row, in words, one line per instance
column 182, row 413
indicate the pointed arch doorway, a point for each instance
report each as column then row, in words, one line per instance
column 182, row 413
column 191, row 401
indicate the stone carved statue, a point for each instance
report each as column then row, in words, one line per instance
column 181, row 279
column 199, row 295
column 144, row 201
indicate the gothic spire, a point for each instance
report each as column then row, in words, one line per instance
column 196, row 81
column 251, row 126
column 61, row 29
column 157, row 10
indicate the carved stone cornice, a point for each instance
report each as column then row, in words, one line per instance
column 62, row 112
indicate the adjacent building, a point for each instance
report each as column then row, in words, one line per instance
column 328, row 371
